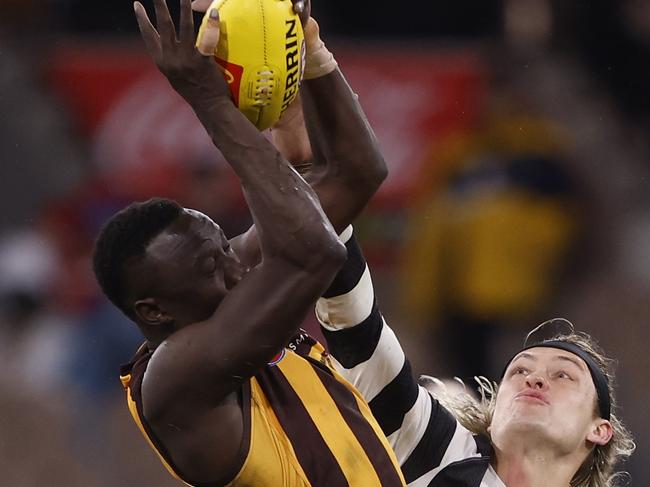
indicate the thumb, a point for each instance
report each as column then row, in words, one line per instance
column 201, row 5
column 208, row 39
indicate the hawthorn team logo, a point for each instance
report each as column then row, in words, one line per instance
column 275, row 360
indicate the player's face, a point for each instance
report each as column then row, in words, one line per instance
column 547, row 396
column 194, row 267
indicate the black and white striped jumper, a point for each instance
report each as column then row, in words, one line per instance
column 432, row 448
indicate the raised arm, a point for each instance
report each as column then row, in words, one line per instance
column 300, row 251
column 423, row 434
column 347, row 166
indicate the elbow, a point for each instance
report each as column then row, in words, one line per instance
column 333, row 254
column 329, row 257
column 371, row 162
column 338, row 253
column 379, row 172
column 372, row 169
column 315, row 249
column 369, row 181
column 365, row 172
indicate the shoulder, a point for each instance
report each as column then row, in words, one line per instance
column 174, row 383
column 189, row 432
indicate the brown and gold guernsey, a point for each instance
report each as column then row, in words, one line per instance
column 305, row 425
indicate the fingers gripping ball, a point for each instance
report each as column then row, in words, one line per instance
column 261, row 50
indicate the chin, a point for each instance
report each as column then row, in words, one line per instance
column 539, row 430
column 528, row 422
column 531, row 414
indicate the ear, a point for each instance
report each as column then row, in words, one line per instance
column 601, row 432
column 149, row 312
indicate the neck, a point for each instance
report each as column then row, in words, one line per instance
column 152, row 344
column 154, row 337
column 526, row 466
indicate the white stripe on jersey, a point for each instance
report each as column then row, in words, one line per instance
column 419, row 441
column 348, row 309
column 346, row 234
column 371, row 376
column 462, row 446
column 491, row 479
column 405, row 439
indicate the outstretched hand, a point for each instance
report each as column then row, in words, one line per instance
column 196, row 77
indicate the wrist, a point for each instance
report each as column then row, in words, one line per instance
column 211, row 109
column 318, row 60
column 206, row 102
column 201, row 83
column 205, row 98
column 312, row 35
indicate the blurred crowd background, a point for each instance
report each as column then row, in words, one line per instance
column 517, row 136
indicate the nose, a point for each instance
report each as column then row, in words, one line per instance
column 536, row 381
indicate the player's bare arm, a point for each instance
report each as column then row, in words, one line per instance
column 347, row 165
column 190, row 390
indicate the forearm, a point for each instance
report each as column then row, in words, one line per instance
column 286, row 211
column 339, row 132
column 344, row 175
column 348, row 165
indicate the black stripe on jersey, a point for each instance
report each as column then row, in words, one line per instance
column 320, row 469
column 365, row 434
column 301, row 343
column 464, row 473
column 351, row 272
column 395, row 400
column 353, row 346
column 483, row 446
column 433, row 445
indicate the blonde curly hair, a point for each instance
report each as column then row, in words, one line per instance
column 599, row 468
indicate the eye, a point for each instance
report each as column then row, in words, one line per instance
column 209, row 265
column 562, row 374
column 519, row 371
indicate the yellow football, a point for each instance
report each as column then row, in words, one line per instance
column 261, row 51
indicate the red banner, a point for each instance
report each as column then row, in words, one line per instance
column 411, row 97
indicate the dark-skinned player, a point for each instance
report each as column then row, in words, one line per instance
column 226, row 387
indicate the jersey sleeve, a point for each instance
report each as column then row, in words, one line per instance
column 423, row 434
